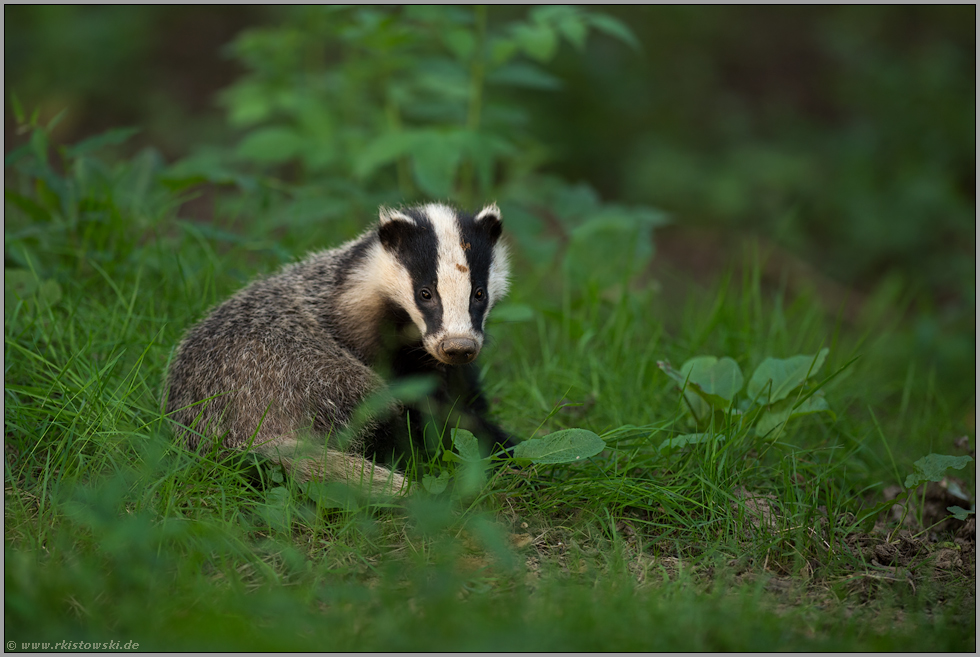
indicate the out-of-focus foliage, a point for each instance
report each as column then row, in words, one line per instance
column 70, row 208
column 155, row 66
column 844, row 133
column 415, row 94
column 115, row 531
column 342, row 109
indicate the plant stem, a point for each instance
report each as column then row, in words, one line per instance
column 477, row 72
column 402, row 166
column 477, row 69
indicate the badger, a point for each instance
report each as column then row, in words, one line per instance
column 284, row 365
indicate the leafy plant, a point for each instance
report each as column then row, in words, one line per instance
column 932, row 468
column 470, row 468
column 778, row 391
column 409, row 101
column 565, row 446
column 68, row 202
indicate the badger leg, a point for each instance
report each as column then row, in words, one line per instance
column 333, row 465
column 270, row 397
column 328, row 394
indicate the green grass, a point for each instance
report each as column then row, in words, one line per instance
column 112, row 532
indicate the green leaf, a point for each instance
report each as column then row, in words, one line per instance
column 435, row 485
column 565, row 446
column 17, row 155
column 472, row 476
column 460, row 42
column 383, row 150
column 271, row 145
column 484, row 150
column 435, row 161
column 23, row 285
column 53, row 123
column 112, row 137
column 784, row 411
column 19, row 282
column 783, row 374
column 39, row 143
column 17, row 107
column 538, row 41
column 502, row 50
column 524, row 74
column 933, row 468
column 568, row 20
column 960, row 513
column 608, row 248
column 689, row 439
column 27, row 205
column 466, row 445
column 248, row 103
column 575, row 30
column 276, row 509
column 717, row 380
column 613, row 28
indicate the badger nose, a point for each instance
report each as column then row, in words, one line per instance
column 457, row 350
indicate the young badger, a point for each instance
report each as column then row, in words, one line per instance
column 282, row 365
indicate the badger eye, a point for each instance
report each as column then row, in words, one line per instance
column 479, row 294
column 425, row 295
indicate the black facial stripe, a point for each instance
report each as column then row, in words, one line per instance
column 416, row 252
column 478, row 244
column 349, row 260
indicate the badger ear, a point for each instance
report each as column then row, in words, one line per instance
column 393, row 226
column 488, row 219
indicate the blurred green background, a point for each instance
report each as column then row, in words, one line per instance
column 840, row 139
column 750, row 182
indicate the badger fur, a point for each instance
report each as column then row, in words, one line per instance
column 282, row 366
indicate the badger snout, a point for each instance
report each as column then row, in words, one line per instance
column 457, row 350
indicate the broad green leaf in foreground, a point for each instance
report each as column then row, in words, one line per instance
column 933, row 468
column 466, row 444
column 20, row 284
column 435, row 485
column 781, row 412
column 716, row 380
column 784, row 374
column 471, row 475
column 565, row 446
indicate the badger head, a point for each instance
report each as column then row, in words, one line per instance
column 449, row 268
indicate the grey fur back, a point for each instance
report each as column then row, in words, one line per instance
column 270, row 368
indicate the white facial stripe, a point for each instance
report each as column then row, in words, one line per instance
column 382, row 272
column 453, row 273
column 499, row 282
